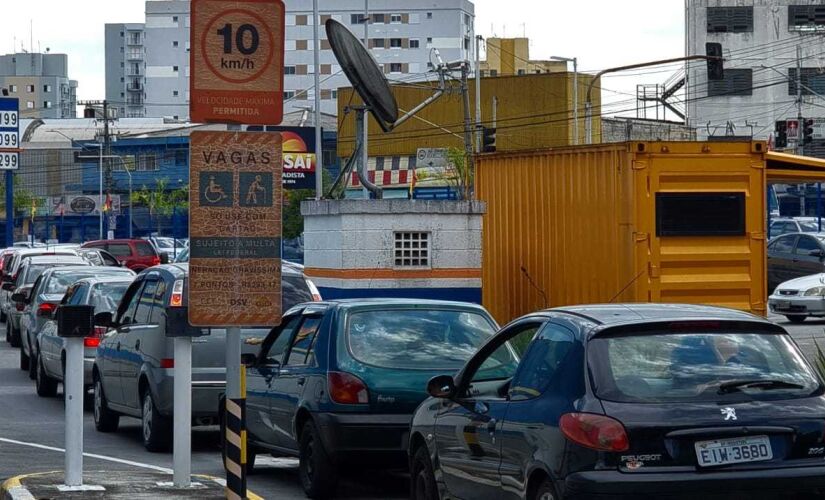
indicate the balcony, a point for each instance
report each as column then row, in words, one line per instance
column 134, row 72
column 134, row 39
column 134, row 101
column 135, row 55
column 134, row 87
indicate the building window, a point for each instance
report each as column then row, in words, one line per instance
column 174, row 19
column 395, row 68
column 121, row 33
column 147, row 163
column 174, row 93
column 736, row 82
column 326, row 69
column 47, row 104
column 493, row 72
column 378, row 18
column 806, row 17
column 730, row 19
column 429, row 41
column 521, row 72
column 13, row 88
column 356, row 18
column 30, row 105
column 30, row 89
column 395, row 43
column 813, row 81
column 430, row 66
column 301, row 20
column 395, row 19
column 429, row 15
column 289, row 70
column 301, row 44
column 174, row 43
column 325, row 45
column 412, row 249
column 335, row 94
column 414, row 44
column 47, row 88
column 326, row 94
column 378, row 43
column 289, row 94
column 175, row 69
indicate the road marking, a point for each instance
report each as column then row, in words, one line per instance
column 90, row 455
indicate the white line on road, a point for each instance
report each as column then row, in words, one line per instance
column 90, row 455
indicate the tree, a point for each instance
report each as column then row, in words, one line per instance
column 456, row 175
column 22, row 197
column 161, row 201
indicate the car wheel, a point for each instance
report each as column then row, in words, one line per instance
column 315, row 469
column 796, row 319
column 15, row 336
column 24, row 360
column 105, row 419
column 422, row 477
column 45, row 385
column 545, row 491
column 155, row 428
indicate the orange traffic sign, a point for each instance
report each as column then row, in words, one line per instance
column 235, row 229
column 237, row 61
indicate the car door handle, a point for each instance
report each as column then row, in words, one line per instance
column 118, row 346
column 301, row 380
column 137, row 344
column 491, row 426
column 125, row 329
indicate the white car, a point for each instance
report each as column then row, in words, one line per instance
column 799, row 298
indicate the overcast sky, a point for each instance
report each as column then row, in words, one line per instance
column 601, row 33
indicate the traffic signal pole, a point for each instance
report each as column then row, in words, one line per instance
column 800, row 148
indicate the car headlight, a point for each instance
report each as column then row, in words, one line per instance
column 817, row 290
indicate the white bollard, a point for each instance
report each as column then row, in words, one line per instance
column 182, row 415
column 73, row 387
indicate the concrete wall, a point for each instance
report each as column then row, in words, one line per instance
column 630, row 129
column 349, row 248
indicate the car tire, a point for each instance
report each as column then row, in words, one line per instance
column 545, row 491
column 422, row 477
column 155, row 428
column 45, row 385
column 32, row 364
column 796, row 319
column 14, row 334
column 105, row 419
column 24, row 360
column 3, row 317
column 315, row 469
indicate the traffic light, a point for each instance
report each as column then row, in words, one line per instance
column 715, row 67
column 808, row 131
column 488, row 140
column 781, row 134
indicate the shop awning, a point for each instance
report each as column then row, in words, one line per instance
column 786, row 168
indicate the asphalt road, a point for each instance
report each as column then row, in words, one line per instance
column 806, row 335
column 28, row 423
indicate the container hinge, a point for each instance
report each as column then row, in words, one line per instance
column 758, row 235
column 640, row 236
column 758, row 165
column 652, row 270
column 639, row 165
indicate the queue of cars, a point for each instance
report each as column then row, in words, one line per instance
column 611, row 401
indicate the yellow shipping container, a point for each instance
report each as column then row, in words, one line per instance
column 629, row 222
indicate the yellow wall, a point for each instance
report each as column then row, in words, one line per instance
column 534, row 112
column 508, row 56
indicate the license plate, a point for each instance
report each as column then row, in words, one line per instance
column 733, row 451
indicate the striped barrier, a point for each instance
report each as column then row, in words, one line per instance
column 235, row 449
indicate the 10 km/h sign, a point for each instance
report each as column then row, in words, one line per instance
column 237, row 60
column 235, row 229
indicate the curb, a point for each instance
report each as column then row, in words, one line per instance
column 13, row 489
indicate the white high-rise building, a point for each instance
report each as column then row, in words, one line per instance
column 147, row 65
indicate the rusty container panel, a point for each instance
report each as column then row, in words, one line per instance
column 558, row 230
column 578, row 225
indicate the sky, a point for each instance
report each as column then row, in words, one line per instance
column 608, row 33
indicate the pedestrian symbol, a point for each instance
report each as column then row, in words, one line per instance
column 256, row 188
column 216, row 189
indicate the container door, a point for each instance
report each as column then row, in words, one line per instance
column 701, row 232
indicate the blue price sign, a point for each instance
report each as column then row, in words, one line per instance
column 9, row 133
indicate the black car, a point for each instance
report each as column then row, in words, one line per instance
column 625, row 401
column 792, row 256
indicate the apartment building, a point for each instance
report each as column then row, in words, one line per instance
column 41, row 82
column 763, row 43
column 151, row 78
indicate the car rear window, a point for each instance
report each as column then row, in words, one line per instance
column 105, row 297
column 59, row 283
column 119, row 249
column 688, row 367
column 439, row 339
column 34, row 272
column 144, row 249
column 294, row 290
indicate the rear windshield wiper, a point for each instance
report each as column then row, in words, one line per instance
column 735, row 385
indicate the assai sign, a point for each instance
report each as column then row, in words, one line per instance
column 299, row 157
column 235, row 229
column 9, row 133
column 237, row 60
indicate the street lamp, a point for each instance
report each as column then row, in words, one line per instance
column 575, row 62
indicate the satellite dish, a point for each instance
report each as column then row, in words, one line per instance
column 364, row 73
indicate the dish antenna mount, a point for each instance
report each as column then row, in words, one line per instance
column 372, row 86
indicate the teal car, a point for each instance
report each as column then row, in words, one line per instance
column 337, row 382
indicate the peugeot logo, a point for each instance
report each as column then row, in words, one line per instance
column 729, row 413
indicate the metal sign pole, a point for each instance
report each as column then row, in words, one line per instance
column 182, row 439
column 235, row 438
column 9, row 208
column 73, row 387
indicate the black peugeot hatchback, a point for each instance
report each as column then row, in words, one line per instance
column 625, row 401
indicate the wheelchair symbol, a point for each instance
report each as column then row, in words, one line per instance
column 214, row 192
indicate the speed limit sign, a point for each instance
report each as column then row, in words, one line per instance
column 237, row 61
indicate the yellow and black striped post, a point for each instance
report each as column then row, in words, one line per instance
column 235, row 458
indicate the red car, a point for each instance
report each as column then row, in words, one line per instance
column 137, row 255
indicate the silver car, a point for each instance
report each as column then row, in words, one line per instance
column 104, row 295
column 12, row 268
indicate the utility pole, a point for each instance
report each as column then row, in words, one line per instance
column 479, row 38
column 800, row 148
column 105, row 170
column 365, row 153
column 316, row 49
column 468, row 130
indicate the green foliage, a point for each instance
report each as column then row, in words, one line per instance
column 161, row 201
column 22, row 197
column 293, row 221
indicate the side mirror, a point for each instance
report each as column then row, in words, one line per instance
column 21, row 297
column 441, row 386
column 164, row 258
column 248, row 359
column 104, row 319
column 9, row 287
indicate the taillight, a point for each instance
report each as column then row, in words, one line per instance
column 167, row 363
column 155, row 261
column 347, row 389
column 91, row 342
column 316, row 295
column 594, row 431
column 46, row 308
column 176, row 300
